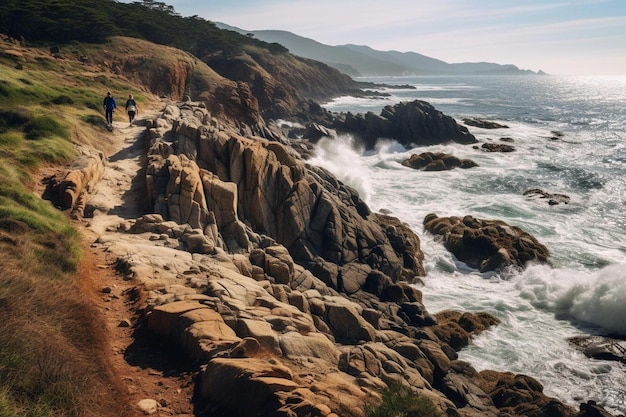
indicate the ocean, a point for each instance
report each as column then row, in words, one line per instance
column 570, row 138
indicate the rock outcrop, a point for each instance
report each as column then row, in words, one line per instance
column 437, row 161
column 484, row 124
column 69, row 189
column 251, row 190
column 601, row 347
column 486, row 245
column 410, row 123
column 277, row 280
column 496, row 147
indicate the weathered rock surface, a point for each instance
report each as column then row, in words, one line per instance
column 484, row 124
column 279, row 282
column 437, row 161
column 487, row 245
column 410, row 123
column 496, row 147
column 68, row 190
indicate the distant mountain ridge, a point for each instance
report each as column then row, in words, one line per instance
column 361, row 60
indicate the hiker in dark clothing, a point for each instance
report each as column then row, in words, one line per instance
column 109, row 107
column 131, row 108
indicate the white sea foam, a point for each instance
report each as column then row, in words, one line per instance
column 584, row 291
column 595, row 298
column 288, row 123
column 341, row 157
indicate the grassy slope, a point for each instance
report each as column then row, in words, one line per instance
column 51, row 346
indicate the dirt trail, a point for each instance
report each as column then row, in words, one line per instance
column 145, row 368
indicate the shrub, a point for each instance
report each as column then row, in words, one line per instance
column 43, row 126
column 400, row 401
column 63, row 99
column 92, row 119
column 13, row 119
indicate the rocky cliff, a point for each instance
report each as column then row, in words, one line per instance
column 277, row 280
column 270, row 276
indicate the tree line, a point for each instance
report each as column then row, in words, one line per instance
column 94, row 21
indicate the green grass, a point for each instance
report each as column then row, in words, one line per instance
column 42, row 372
column 51, row 337
column 400, row 401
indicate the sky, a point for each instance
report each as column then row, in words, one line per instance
column 569, row 37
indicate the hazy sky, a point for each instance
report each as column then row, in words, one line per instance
column 560, row 37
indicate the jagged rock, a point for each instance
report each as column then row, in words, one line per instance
column 552, row 199
column 347, row 324
column 437, row 161
column 313, row 345
column 520, row 395
column 592, row 409
column 307, row 308
column 226, row 379
column 456, row 328
column 410, row 123
column 484, row 124
column 486, row 244
column 304, row 208
column 261, row 331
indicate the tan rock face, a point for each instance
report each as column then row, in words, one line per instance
column 279, row 283
column 236, row 181
column 68, row 190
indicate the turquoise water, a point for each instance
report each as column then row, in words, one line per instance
column 584, row 292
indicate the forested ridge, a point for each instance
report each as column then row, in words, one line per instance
column 93, row 21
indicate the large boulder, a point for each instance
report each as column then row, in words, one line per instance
column 487, row 245
column 437, row 161
column 518, row 394
column 410, row 123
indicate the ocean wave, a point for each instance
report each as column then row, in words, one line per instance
column 344, row 159
column 593, row 298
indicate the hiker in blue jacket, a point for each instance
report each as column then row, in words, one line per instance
column 109, row 107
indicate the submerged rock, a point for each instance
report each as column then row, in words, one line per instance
column 552, row 199
column 495, row 147
column 601, row 347
column 437, row 161
column 484, row 124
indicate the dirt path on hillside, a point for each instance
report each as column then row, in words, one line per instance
column 145, row 369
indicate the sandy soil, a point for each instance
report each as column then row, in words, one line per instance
column 145, row 367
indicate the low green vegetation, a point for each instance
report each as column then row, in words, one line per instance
column 400, row 401
column 48, row 330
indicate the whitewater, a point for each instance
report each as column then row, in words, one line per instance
column 570, row 138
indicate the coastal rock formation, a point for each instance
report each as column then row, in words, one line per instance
column 486, row 245
column 496, row 147
column 483, row 124
column 221, row 182
column 551, row 199
column 277, row 280
column 437, row 161
column 410, row 123
column 601, row 347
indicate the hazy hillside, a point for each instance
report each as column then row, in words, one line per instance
column 357, row 60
